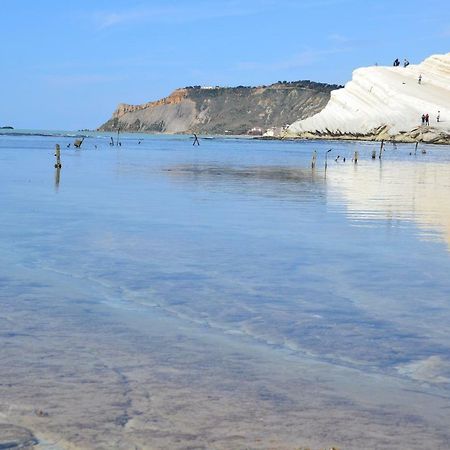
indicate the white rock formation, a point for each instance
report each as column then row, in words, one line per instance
column 386, row 103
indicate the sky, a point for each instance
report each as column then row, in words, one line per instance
column 65, row 65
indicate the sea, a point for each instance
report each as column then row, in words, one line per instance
column 337, row 275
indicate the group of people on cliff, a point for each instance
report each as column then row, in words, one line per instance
column 397, row 62
column 426, row 118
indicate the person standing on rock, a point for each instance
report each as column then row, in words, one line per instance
column 427, row 119
column 423, row 119
column 438, row 117
column 420, row 79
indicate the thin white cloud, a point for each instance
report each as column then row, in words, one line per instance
column 72, row 80
column 345, row 42
column 202, row 10
column 178, row 13
column 303, row 59
column 77, row 65
column 338, row 38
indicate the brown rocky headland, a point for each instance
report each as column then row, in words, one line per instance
column 224, row 110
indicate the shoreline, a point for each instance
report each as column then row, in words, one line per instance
column 402, row 138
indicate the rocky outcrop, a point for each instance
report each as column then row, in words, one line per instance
column 386, row 103
column 218, row 110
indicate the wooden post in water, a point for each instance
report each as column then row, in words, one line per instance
column 78, row 142
column 58, row 157
column 374, row 154
column 313, row 160
column 415, row 149
column 326, row 159
column 381, row 148
column 355, row 157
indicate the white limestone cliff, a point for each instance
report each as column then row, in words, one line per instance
column 386, row 103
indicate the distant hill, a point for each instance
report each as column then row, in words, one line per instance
column 386, row 103
column 222, row 110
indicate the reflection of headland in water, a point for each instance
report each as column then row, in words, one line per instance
column 278, row 181
column 414, row 192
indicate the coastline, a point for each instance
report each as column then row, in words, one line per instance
column 421, row 135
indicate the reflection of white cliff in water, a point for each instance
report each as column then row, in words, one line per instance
column 417, row 192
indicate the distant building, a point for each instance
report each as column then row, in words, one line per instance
column 274, row 131
column 255, row 131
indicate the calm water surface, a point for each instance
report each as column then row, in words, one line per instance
column 241, row 237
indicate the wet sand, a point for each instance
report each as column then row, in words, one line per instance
column 85, row 375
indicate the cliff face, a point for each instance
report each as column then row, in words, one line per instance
column 223, row 110
column 387, row 103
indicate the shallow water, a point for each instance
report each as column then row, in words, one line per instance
column 240, row 238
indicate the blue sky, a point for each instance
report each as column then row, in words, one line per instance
column 67, row 64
